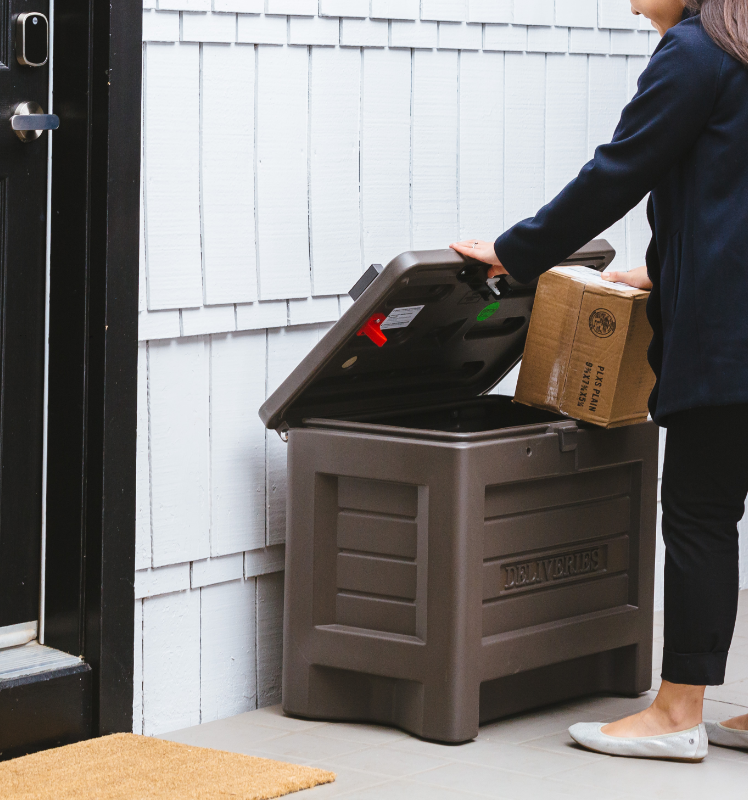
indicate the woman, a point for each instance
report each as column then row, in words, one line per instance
column 684, row 138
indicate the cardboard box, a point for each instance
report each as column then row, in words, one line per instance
column 586, row 351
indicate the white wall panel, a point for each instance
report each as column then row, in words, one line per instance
column 335, row 210
column 449, row 10
column 228, row 189
column 417, row 34
column 589, row 41
column 184, row 5
column 158, row 325
column 481, row 145
column 208, row 319
column 265, row 561
column 282, row 206
column 313, row 30
column 142, row 468
column 363, row 32
column 228, row 678
column 308, row 7
column 385, row 154
column 201, row 27
column 315, row 309
column 160, row 26
column 253, row 316
column 576, row 13
column 508, row 38
column 395, row 9
column 269, row 638
column 137, row 671
column 286, row 348
column 237, row 443
column 566, row 121
column 460, row 36
column 524, row 165
column 435, row 126
column 211, row 571
column 547, row 40
column 261, row 29
column 635, row 67
column 171, row 662
column 608, row 95
column 344, row 8
column 490, row 10
column 164, row 580
column 533, row 12
column 244, row 6
column 635, row 43
column 172, row 180
column 179, row 450
column 614, row 14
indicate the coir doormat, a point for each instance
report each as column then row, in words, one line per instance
column 129, row 767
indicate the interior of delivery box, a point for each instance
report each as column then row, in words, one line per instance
column 492, row 412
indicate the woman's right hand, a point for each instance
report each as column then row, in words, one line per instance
column 638, row 277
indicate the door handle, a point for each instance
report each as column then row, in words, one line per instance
column 29, row 120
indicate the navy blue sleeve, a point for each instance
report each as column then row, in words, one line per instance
column 677, row 92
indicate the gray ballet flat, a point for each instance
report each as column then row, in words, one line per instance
column 690, row 745
column 726, row 737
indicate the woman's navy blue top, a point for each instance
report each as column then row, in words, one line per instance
column 684, row 138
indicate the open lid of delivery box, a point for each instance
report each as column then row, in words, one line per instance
column 428, row 329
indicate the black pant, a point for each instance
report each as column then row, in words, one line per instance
column 704, row 487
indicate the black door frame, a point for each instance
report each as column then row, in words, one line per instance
column 90, row 519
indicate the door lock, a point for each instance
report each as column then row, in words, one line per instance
column 29, row 120
column 32, row 39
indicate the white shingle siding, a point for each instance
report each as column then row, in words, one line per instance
column 314, row 30
column 315, row 139
column 395, row 9
column 252, row 29
column 240, row 6
column 202, row 27
column 416, row 34
column 344, row 8
column 576, row 13
column 490, row 11
column 160, row 26
column 505, row 38
column 445, row 10
column 533, row 12
column 460, row 36
column 364, row 32
column 614, row 14
column 184, row 5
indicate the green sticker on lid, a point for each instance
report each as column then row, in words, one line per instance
column 488, row 311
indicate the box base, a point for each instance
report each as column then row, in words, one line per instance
column 337, row 695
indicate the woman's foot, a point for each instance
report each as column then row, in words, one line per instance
column 677, row 707
column 733, row 733
column 737, row 723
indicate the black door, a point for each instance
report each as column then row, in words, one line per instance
column 23, row 231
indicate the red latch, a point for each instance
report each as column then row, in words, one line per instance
column 373, row 331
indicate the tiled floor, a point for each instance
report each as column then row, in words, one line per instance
column 527, row 757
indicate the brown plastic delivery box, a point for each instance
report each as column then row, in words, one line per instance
column 586, row 350
column 452, row 557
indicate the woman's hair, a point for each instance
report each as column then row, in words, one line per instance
column 726, row 21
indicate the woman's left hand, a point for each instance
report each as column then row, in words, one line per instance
column 481, row 251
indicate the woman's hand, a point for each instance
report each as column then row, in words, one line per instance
column 637, row 277
column 481, row 251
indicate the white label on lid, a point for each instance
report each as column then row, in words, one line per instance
column 592, row 276
column 401, row 317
